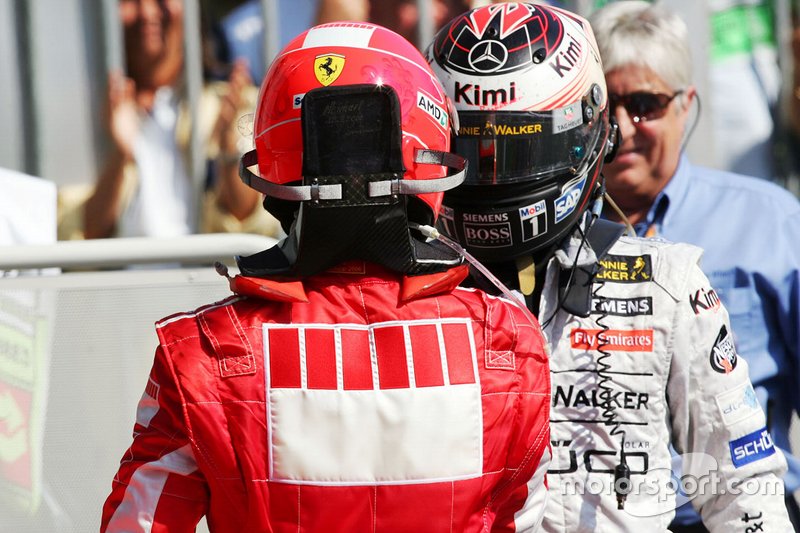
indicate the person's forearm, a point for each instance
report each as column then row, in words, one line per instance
column 335, row 10
column 103, row 206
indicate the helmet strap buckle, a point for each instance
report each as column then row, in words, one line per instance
column 314, row 190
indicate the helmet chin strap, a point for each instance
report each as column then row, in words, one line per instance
column 391, row 186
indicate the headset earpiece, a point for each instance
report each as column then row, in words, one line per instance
column 614, row 140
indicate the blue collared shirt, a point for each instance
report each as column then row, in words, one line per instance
column 750, row 231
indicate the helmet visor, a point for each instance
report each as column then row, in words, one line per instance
column 509, row 147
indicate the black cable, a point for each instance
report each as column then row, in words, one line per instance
column 622, row 473
column 694, row 123
column 572, row 269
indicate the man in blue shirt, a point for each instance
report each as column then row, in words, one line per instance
column 749, row 228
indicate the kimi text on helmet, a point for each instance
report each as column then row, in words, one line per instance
column 473, row 95
column 565, row 60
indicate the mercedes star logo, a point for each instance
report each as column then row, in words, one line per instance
column 488, row 56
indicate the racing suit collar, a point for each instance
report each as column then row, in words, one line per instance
column 578, row 264
column 573, row 252
column 294, row 291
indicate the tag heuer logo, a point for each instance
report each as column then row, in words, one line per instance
column 328, row 67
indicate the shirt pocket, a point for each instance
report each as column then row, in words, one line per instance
column 747, row 320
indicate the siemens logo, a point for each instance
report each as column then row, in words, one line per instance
column 752, row 447
column 642, row 305
column 485, row 217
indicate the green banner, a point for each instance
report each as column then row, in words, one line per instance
column 740, row 29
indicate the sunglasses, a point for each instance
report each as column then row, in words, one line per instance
column 642, row 106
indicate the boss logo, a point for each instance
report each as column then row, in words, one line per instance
column 488, row 235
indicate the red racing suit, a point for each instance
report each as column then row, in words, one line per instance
column 356, row 400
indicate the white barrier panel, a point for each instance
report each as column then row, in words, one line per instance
column 75, row 352
column 121, row 253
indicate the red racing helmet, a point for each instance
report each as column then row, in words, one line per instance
column 351, row 55
column 352, row 135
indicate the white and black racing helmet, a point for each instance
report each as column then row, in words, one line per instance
column 528, row 85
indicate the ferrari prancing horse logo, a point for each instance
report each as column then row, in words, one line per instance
column 327, row 68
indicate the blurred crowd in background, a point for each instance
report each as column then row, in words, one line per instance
column 172, row 114
column 128, row 118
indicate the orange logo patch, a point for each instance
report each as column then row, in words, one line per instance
column 623, row 340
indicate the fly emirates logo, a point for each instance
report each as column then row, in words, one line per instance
column 623, row 340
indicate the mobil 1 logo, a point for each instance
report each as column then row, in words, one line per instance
column 534, row 220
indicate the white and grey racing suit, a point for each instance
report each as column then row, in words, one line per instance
column 652, row 364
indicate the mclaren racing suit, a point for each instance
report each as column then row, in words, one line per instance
column 355, row 400
column 643, row 357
